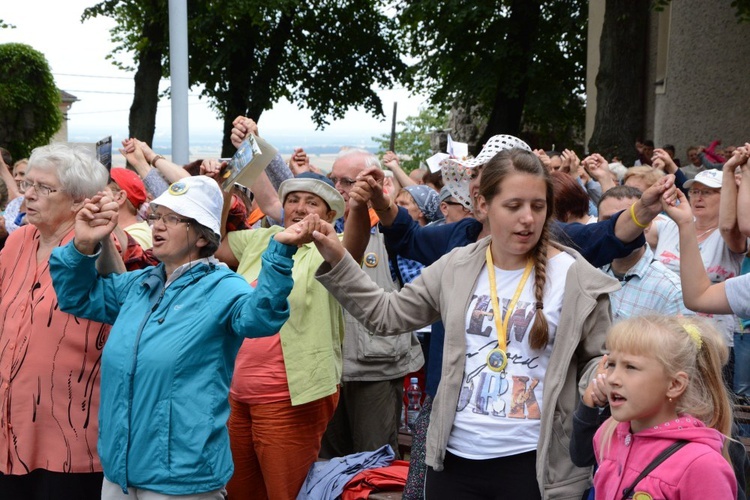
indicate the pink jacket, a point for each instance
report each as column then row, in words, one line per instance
column 697, row 471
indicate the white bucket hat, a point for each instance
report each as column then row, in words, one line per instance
column 457, row 173
column 198, row 198
column 318, row 185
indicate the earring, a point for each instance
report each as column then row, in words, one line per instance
column 670, row 400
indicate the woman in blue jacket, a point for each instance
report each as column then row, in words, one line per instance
column 177, row 327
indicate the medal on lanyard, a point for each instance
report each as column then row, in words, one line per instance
column 497, row 358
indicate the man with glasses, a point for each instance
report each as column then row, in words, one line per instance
column 369, row 409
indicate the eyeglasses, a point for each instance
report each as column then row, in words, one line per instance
column 345, row 181
column 40, row 189
column 169, row 220
column 702, row 192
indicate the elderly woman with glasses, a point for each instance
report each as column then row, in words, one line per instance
column 177, row 328
column 722, row 245
column 49, row 360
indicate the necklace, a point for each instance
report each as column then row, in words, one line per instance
column 705, row 232
column 497, row 359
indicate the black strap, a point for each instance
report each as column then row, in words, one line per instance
column 653, row 465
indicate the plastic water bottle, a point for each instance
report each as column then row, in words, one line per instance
column 414, row 396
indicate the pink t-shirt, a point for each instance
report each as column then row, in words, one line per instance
column 49, row 369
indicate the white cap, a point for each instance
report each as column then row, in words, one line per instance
column 198, row 198
column 710, row 178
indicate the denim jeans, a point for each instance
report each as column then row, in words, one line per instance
column 741, row 385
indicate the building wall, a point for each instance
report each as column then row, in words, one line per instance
column 698, row 76
column 707, row 86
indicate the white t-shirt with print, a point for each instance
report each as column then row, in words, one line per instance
column 720, row 263
column 499, row 414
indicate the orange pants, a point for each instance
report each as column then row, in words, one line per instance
column 274, row 445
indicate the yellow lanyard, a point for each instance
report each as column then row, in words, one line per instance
column 502, row 328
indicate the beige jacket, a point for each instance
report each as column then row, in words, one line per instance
column 444, row 291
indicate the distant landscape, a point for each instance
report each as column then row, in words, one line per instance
column 208, row 145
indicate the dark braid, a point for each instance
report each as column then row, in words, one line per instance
column 540, row 330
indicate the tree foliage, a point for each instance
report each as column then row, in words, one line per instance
column 521, row 61
column 29, row 99
column 413, row 137
column 247, row 54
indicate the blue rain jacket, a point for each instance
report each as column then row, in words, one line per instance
column 168, row 362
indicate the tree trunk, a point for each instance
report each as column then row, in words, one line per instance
column 507, row 109
column 252, row 98
column 621, row 82
column 142, row 119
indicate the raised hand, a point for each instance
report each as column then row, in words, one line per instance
column 95, row 220
column 680, row 212
column 300, row 162
column 596, row 392
column 242, row 127
column 390, row 160
column 542, row 155
column 570, row 162
column 301, row 232
column 663, row 191
column 596, row 166
column 328, row 244
column 211, row 168
column 663, row 161
column 133, row 152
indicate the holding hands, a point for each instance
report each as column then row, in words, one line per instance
column 242, row 127
column 740, row 158
column 570, row 163
column 328, row 244
column 369, row 189
column 680, row 212
column 390, row 160
column 300, row 233
column 542, row 155
column 300, row 162
column 663, row 161
column 96, row 219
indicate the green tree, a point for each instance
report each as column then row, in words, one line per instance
column 413, row 137
column 522, row 62
column 247, row 54
column 29, row 99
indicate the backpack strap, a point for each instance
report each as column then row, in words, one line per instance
column 671, row 450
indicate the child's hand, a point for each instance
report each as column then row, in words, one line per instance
column 596, row 393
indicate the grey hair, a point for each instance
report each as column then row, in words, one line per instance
column 79, row 173
column 370, row 159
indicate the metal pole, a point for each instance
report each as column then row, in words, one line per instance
column 178, row 69
column 393, row 129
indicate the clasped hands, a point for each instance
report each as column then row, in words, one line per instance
column 95, row 220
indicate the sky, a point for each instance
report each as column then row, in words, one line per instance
column 77, row 52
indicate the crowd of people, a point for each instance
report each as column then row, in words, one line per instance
column 578, row 325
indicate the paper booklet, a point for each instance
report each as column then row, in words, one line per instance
column 251, row 158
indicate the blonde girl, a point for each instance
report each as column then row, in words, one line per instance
column 664, row 384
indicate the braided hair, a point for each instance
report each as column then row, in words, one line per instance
column 494, row 173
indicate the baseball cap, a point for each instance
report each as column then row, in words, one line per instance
column 710, row 178
column 198, row 198
column 129, row 182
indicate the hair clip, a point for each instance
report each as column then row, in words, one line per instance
column 695, row 335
